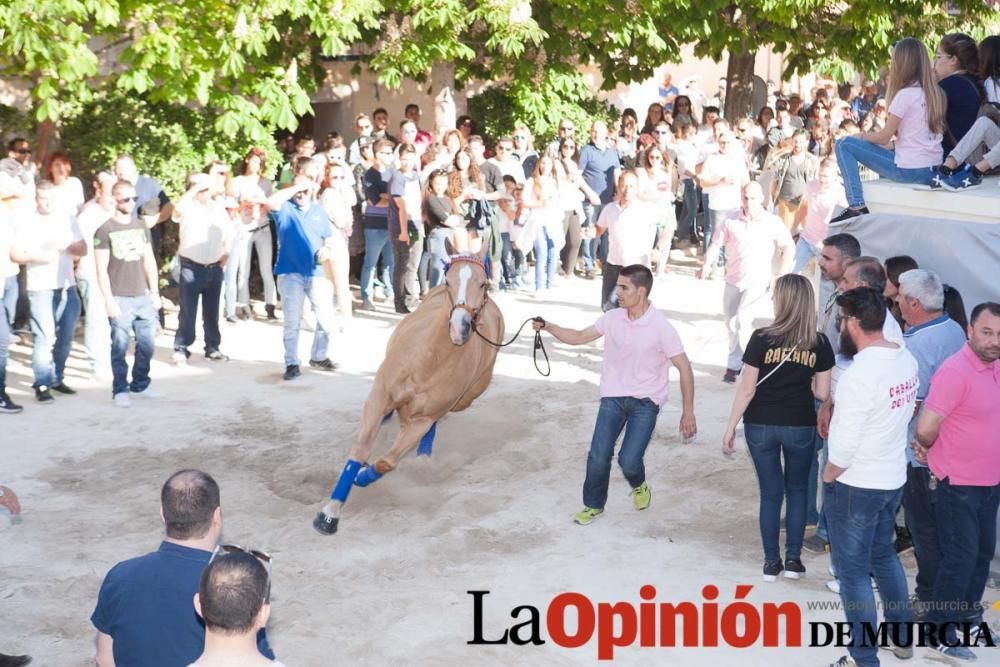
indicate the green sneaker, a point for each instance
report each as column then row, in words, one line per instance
column 641, row 496
column 587, row 515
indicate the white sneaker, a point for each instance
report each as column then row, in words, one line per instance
column 122, row 400
column 148, row 392
column 179, row 359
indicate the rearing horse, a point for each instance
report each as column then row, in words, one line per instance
column 433, row 365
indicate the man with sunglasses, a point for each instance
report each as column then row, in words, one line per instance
column 503, row 158
column 144, row 613
column 126, row 274
column 363, row 128
column 566, row 131
column 234, row 600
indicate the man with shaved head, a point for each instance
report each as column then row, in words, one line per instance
column 144, row 614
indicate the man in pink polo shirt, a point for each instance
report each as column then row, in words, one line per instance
column 640, row 346
column 959, row 435
column 750, row 240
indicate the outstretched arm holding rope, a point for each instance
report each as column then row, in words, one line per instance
column 568, row 336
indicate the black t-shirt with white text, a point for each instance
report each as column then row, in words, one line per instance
column 785, row 398
column 126, row 267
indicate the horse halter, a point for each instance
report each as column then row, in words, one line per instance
column 473, row 312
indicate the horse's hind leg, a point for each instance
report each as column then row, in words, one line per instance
column 408, row 438
column 372, row 416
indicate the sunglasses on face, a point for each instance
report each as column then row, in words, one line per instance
column 569, row 146
column 663, row 131
column 520, row 136
column 467, row 123
column 22, row 151
column 262, row 556
column 125, row 200
column 337, row 178
column 655, row 157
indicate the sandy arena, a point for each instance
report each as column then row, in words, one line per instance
column 491, row 510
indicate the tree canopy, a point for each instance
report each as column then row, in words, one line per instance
column 256, row 64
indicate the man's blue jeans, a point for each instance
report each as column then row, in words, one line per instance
column 376, row 244
column 921, row 521
column 139, row 316
column 853, row 152
column 4, row 334
column 199, row 281
column 295, row 288
column 687, row 227
column 53, row 321
column 438, row 255
column 10, row 292
column 966, row 523
column 862, row 525
column 637, row 417
column 767, row 445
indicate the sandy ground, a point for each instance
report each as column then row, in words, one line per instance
column 491, row 510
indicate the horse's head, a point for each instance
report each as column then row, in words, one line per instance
column 466, row 282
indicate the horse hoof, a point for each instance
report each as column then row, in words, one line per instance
column 325, row 525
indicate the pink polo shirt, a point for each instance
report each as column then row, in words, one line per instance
column 966, row 392
column 637, row 354
column 750, row 246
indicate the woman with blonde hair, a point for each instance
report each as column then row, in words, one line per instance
column 544, row 230
column 658, row 184
column 337, row 197
column 916, row 120
column 785, row 367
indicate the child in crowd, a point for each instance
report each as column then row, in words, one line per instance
column 822, row 197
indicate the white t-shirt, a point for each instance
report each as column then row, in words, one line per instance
column 206, row 230
column 725, row 197
column 916, row 145
column 890, row 331
column 630, row 232
column 992, row 91
column 91, row 217
column 68, row 196
column 39, row 233
column 874, row 402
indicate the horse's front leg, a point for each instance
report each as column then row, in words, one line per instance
column 408, row 438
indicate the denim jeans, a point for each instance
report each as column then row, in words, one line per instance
column 687, row 227
column 546, row 259
column 53, row 321
column 637, row 416
column 804, row 251
column 438, row 254
column 588, row 247
column 405, row 261
column 966, row 523
column 205, row 283
column 4, row 335
column 10, row 292
column 295, row 288
column 139, row 316
column 921, row 521
column 507, row 259
column 376, row 245
column 96, row 330
column 853, row 152
column 862, row 524
column 768, row 445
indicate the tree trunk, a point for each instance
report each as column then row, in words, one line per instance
column 739, row 83
column 449, row 103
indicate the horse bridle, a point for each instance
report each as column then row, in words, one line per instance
column 473, row 312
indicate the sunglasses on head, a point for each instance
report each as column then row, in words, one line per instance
column 262, row 556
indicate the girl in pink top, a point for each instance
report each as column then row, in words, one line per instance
column 916, row 120
column 812, row 219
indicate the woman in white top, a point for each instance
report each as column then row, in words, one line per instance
column 541, row 198
column 658, row 184
column 338, row 198
column 68, row 193
column 989, row 67
column 572, row 189
column 251, row 191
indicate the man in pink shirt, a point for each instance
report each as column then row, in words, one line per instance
column 750, row 240
column 640, row 346
column 959, row 435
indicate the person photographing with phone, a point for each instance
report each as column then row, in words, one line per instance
column 640, row 347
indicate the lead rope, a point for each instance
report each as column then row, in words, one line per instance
column 539, row 345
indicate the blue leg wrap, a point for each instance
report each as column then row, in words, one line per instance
column 387, row 417
column 367, row 476
column 343, row 487
column 427, row 442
